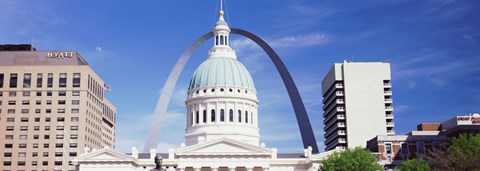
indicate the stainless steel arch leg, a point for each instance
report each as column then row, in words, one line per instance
column 164, row 99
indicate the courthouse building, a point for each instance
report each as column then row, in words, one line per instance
column 222, row 132
column 52, row 106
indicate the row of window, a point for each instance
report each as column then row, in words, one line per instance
column 36, row 137
column 213, row 116
column 26, row 111
column 39, row 93
column 34, row 163
column 59, row 119
column 46, row 145
column 35, row 154
column 39, row 102
column 27, row 80
column 37, row 128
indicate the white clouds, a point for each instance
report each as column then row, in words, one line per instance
column 300, row 40
column 99, row 49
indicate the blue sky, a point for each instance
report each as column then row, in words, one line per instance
column 433, row 47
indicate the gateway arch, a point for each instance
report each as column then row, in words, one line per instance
column 306, row 131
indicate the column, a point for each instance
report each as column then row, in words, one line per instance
column 232, row 169
column 249, row 168
column 197, row 168
column 214, row 169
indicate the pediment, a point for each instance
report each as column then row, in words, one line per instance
column 223, row 147
column 104, row 155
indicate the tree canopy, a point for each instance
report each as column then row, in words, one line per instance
column 463, row 153
column 351, row 159
column 414, row 165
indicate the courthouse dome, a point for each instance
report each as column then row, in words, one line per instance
column 221, row 71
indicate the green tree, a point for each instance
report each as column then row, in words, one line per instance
column 351, row 159
column 414, row 165
column 463, row 153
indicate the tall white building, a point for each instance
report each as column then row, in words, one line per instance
column 357, row 103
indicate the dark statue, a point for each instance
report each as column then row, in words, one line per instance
column 158, row 163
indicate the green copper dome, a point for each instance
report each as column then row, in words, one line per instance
column 221, row 71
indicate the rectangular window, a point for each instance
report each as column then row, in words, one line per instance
column 50, row 80
column 39, row 93
column 45, row 163
column 25, row 102
column 75, row 110
column 420, row 148
column 11, row 111
column 27, row 80
column 59, row 136
column 60, row 128
column 9, row 128
column 1, row 80
column 47, row 128
column 22, row 145
column 76, row 79
column 24, row 111
column 49, row 102
column 10, row 119
column 12, row 102
column 35, row 137
column 61, row 102
column 8, row 145
column 59, row 145
column 7, row 154
column 21, row 163
column 74, row 119
column 7, row 163
column 37, row 110
column 47, row 119
column 36, row 128
column 49, row 93
column 26, row 93
column 73, row 145
column 9, row 137
column 24, row 119
column 45, row 154
column 34, row 163
column 60, row 119
column 35, row 154
column 12, row 93
column 39, row 80
column 62, row 80
column 23, row 128
column 72, row 154
column 73, row 136
column 58, row 163
column 58, row 154
column 60, row 110
column 13, row 80
column 46, row 146
column 73, row 128
column 62, row 93
column 388, row 148
column 76, row 93
column 75, row 102
column 38, row 102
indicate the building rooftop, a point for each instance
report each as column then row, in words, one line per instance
column 26, row 55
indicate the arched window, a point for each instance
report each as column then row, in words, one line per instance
column 204, row 116
column 222, row 115
column 221, row 40
column 246, row 116
column 251, row 116
column 216, row 40
column 191, row 119
column 213, row 115
column 239, row 116
column 226, row 40
column 230, row 115
column 197, row 117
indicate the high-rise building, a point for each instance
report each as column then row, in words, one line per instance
column 52, row 107
column 357, row 103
